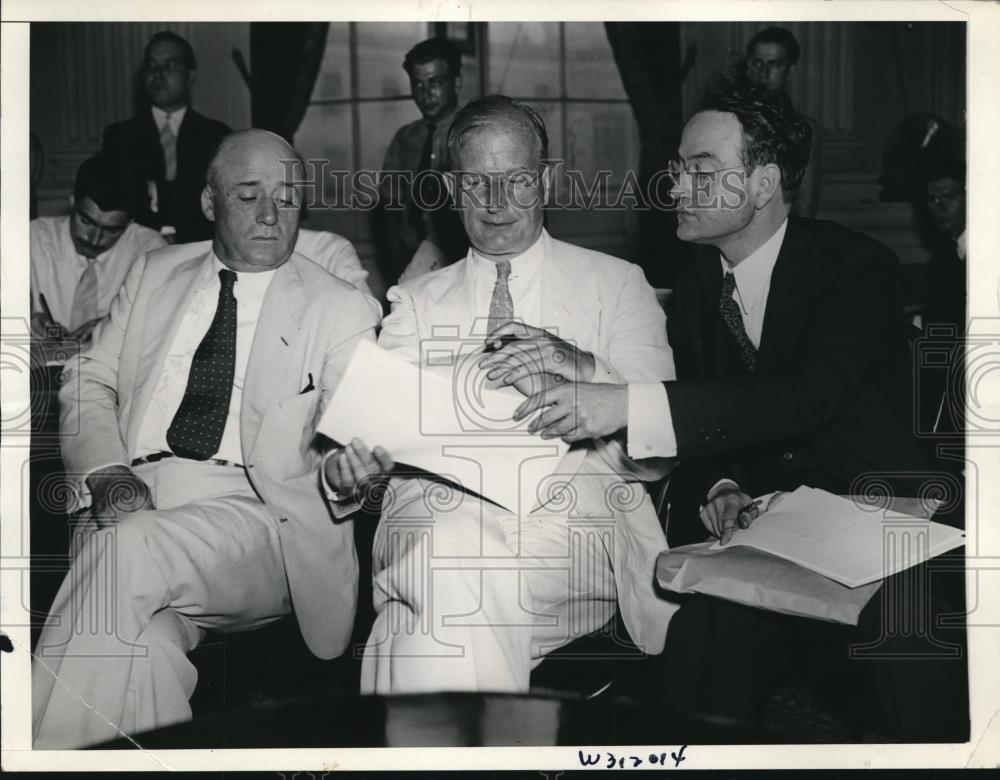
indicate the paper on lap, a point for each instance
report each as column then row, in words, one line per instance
column 844, row 540
column 441, row 418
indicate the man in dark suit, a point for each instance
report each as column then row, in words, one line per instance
column 168, row 146
column 792, row 369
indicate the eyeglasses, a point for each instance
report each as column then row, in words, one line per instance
column 700, row 179
column 514, row 184
column 167, row 66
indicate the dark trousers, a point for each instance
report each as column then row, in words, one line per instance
column 900, row 675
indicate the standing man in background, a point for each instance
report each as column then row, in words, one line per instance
column 421, row 231
column 772, row 55
column 168, row 145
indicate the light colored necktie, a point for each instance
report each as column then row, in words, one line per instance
column 85, row 297
column 169, row 143
column 501, row 305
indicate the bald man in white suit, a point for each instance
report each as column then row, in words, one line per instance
column 205, row 492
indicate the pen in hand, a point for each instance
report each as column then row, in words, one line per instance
column 748, row 514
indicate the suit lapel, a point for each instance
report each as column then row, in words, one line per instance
column 270, row 374
column 785, row 294
column 567, row 311
column 709, row 325
column 164, row 312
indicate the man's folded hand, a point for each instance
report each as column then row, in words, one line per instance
column 523, row 350
column 115, row 491
column 574, row 411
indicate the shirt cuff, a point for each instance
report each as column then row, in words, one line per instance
column 650, row 424
column 340, row 505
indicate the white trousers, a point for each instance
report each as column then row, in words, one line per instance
column 112, row 658
column 469, row 597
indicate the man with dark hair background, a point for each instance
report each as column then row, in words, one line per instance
column 168, row 145
column 79, row 261
column 771, row 58
column 421, row 232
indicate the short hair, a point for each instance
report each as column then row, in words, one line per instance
column 434, row 49
column 780, row 36
column 937, row 168
column 490, row 111
column 167, row 36
column 773, row 131
column 111, row 188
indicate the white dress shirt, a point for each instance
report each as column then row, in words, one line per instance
column 56, row 267
column 523, row 283
column 650, row 423
column 174, row 117
column 249, row 291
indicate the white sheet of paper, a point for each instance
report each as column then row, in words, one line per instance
column 441, row 419
column 839, row 539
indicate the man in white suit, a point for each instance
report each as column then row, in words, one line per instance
column 190, row 426
column 469, row 595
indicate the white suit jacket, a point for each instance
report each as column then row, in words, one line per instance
column 605, row 306
column 309, row 325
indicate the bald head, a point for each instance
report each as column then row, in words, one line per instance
column 239, row 144
column 252, row 197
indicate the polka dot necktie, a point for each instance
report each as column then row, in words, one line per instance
column 196, row 430
column 730, row 311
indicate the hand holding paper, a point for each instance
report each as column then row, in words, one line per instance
column 443, row 419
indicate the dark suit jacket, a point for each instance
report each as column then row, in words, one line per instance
column 134, row 146
column 831, row 397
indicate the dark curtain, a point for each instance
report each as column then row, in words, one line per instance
column 648, row 55
column 284, row 62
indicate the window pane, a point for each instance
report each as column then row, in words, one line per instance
column 591, row 71
column 334, row 79
column 524, row 58
column 381, row 49
column 551, row 113
column 379, row 122
column 325, row 134
column 601, row 137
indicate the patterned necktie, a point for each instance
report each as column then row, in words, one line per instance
column 169, row 143
column 196, row 430
column 730, row 311
column 85, row 297
column 501, row 304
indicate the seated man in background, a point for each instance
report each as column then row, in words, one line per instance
column 944, row 318
column 495, row 590
column 78, row 262
column 338, row 256
column 792, row 369
column 167, row 146
column 189, row 428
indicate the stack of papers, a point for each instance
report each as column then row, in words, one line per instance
column 847, row 541
column 445, row 420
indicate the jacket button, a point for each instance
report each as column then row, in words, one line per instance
column 788, row 455
column 704, row 434
column 720, row 432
